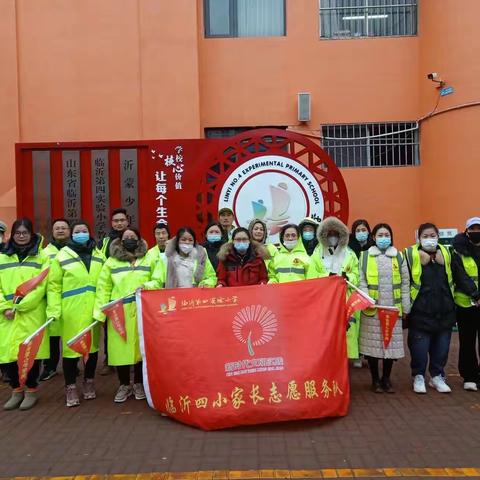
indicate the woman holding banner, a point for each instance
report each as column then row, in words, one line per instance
column 384, row 276
column 71, row 290
column 291, row 263
column 23, row 259
column 188, row 265
column 242, row 261
column 127, row 269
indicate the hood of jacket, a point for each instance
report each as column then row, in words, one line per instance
column 308, row 221
column 118, row 251
column 463, row 245
column 256, row 249
column 333, row 223
column 252, row 224
column 299, row 248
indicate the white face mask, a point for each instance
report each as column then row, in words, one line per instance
column 185, row 248
column 332, row 241
column 290, row 244
column 429, row 244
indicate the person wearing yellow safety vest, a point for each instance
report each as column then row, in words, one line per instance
column 72, row 284
column 162, row 234
column 308, row 231
column 60, row 237
column 384, row 276
column 188, row 265
column 127, row 269
column 291, row 263
column 466, row 267
column 22, row 260
column 258, row 231
column 432, row 315
column 332, row 256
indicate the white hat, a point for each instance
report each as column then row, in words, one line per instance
column 473, row 221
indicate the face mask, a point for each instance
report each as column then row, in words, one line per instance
column 130, row 244
column 429, row 244
column 474, row 237
column 361, row 236
column 290, row 244
column 81, row 238
column 185, row 248
column 214, row 237
column 307, row 236
column 332, row 241
column 241, row 247
column 383, row 242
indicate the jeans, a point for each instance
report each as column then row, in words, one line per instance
column 423, row 345
column 468, row 320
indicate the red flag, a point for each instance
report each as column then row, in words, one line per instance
column 26, row 355
column 246, row 355
column 115, row 313
column 388, row 318
column 29, row 285
column 357, row 302
column 82, row 344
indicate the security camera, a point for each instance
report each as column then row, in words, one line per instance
column 433, row 76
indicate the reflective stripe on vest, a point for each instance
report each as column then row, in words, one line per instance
column 471, row 269
column 9, row 296
column 20, row 264
column 141, row 268
column 78, row 291
column 299, row 271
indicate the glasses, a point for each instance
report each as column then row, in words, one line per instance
column 21, row 234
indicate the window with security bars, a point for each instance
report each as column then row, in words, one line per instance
column 372, row 144
column 230, row 131
column 367, row 18
column 244, row 18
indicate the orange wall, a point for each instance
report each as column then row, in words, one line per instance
column 133, row 69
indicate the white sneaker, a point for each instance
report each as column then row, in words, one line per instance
column 123, row 392
column 439, row 384
column 470, row 386
column 139, row 392
column 419, row 384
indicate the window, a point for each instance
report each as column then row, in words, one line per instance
column 372, row 144
column 230, row 131
column 244, row 18
column 367, row 18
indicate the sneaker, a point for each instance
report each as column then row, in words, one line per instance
column 439, row 384
column 387, row 385
column 89, row 392
column 470, row 386
column 419, row 384
column 106, row 370
column 30, row 399
column 47, row 375
column 71, row 396
column 377, row 387
column 14, row 401
column 357, row 363
column 123, row 392
column 139, row 391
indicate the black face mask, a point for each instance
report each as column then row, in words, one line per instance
column 474, row 237
column 130, row 244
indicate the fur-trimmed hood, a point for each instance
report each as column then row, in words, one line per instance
column 256, row 249
column 333, row 223
column 118, row 251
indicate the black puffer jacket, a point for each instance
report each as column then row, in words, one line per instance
column 354, row 244
column 462, row 246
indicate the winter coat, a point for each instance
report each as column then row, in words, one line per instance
column 463, row 283
column 354, row 245
column 203, row 273
column 289, row 266
column 212, row 251
column 54, row 328
column 71, row 295
column 51, row 251
column 433, row 309
column 155, row 255
column 106, row 243
column 309, row 245
column 235, row 271
column 30, row 312
column 121, row 275
column 371, row 338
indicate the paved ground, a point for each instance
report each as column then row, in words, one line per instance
column 382, row 431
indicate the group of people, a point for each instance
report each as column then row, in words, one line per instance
column 431, row 285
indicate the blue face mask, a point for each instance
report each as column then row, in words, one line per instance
column 361, row 236
column 214, row 237
column 307, row 236
column 383, row 242
column 241, row 247
column 81, row 238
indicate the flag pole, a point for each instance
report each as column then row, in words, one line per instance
column 38, row 330
column 384, row 307
column 365, row 295
column 113, row 302
column 83, row 332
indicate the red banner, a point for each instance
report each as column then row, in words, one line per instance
column 218, row 358
column 26, row 356
column 388, row 318
column 357, row 302
column 82, row 345
column 29, row 285
column 116, row 314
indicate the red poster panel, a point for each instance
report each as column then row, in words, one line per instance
column 218, row 358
